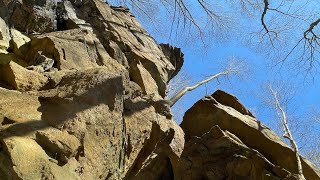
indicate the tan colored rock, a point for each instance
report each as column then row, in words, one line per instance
column 219, row 155
column 77, row 124
column 207, row 113
column 143, row 78
column 19, row 43
column 19, row 107
column 150, row 136
column 60, row 144
column 93, row 99
column 72, row 49
column 231, row 101
column 4, row 36
column 121, row 34
column 30, row 161
column 20, row 78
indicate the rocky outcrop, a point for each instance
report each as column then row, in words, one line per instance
column 29, row 16
column 83, row 102
column 21, row 79
column 231, row 101
column 175, row 56
column 209, row 112
column 82, row 89
column 219, row 154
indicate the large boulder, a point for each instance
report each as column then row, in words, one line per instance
column 72, row 49
column 219, row 155
column 21, row 79
column 29, row 161
column 208, row 112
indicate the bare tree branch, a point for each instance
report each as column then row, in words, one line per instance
column 176, row 97
column 287, row 132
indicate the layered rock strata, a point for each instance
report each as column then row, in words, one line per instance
column 82, row 96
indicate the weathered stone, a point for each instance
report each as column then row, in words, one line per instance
column 175, row 56
column 29, row 161
column 125, row 39
column 142, row 76
column 20, row 78
column 207, row 113
column 149, row 140
column 72, row 49
column 231, row 101
column 77, row 123
column 4, row 36
column 19, row 43
column 93, row 98
column 19, row 107
column 60, row 144
column 29, row 16
column 6, row 58
column 221, row 155
column 100, row 112
column 67, row 17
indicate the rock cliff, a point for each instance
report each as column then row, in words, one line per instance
column 82, row 96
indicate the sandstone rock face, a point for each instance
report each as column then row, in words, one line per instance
column 82, row 89
column 20, row 78
column 175, row 56
column 81, row 102
column 126, row 41
column 29, row 16
column 231, row 101
column 72, row 49
column 208, row 113
column 19, row 43
column 218, row 154
column 4, row 36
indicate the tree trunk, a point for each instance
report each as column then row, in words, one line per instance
column 181, row 93
column 288, row 134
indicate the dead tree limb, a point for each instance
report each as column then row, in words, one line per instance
column 182, row 92
column 287, row 133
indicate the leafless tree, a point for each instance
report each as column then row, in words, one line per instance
column 181, row 80
column 281, row 111
column 233, row 67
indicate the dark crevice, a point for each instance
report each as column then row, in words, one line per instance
column 100, row 59
column 7, row 121
column 60, row 13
